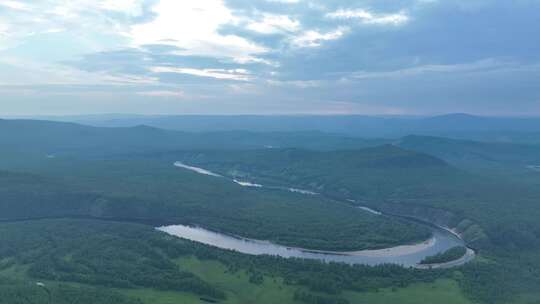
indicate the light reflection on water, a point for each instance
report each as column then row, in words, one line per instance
column 407, row 255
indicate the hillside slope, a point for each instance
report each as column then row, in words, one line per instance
column 391, row 179
column 158, row 193
column 60, row 138
column 478, row 156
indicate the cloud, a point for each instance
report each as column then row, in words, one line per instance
column 313, row 38
column 15, row 5
column 294, row 55
column 302, row 84
column 17, row 72
column 193, row 26
column 272, row 24
column 131, row 7
column 4, row 28
column 232, row 74
column 367, row 17
column 478, row 66
column 166, row 94
column 90, row 21
column 285, row 1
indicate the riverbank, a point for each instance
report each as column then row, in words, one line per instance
column 405, row 255
column 410, row 255
column 467, row 257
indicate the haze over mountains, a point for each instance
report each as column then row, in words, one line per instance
column 512, row 145
column 504, row 129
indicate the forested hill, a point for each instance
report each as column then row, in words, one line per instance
column 368, row 173
column 46, row 171
column 477, row 155
column 156, row 192
column 379, row 156
column 453, row 125
column 70, row 138
column 47, row 138
column 60, row 137
column 392, row 178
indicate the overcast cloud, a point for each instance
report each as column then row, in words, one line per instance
column 269, row 56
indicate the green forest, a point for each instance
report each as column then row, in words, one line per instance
column 77, row 226
column 269, row 152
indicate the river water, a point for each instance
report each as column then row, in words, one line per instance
column 405, row 255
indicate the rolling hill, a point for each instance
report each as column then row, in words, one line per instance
column 457, row 125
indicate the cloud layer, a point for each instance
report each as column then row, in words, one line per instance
column 270, row 56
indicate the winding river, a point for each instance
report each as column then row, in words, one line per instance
column 406, row 255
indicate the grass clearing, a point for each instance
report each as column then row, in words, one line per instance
column 237, row 285
column 529, row 298
column 273, row 290
column 152, row 296
column 440, row 292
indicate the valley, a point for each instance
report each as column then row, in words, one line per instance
column 269, row 152
column 332, row 221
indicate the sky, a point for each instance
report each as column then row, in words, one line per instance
column 399, row 57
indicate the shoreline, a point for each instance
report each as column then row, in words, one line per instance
column 383, row 252
column 467, row 257
column 396, row 251
column 390, row 252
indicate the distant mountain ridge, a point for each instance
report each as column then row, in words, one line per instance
column 50, row 138
column 451, row 125
column 54, row 138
